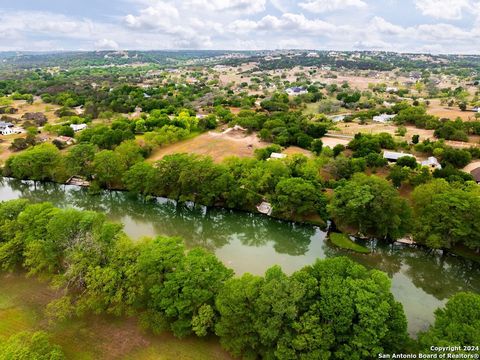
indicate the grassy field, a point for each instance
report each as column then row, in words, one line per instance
column 344, row 242
column 444, row 111
column 214, row 144
column 22, row 306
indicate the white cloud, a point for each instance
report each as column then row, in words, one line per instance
column 154, row 16
column 244, row 24
column 322, row 6
column 444, row 9
column 106, row 44
column 244, row 6
column 380, row 25
column 286, row 23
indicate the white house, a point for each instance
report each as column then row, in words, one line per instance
column 6, row 128
column 383, row 118
column 432, row 163
column 391, row 89
column 337, row 118
column 393, row 156
column 275, row 155
column 295, row 91
column 78, row 127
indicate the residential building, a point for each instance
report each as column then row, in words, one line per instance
column 78, row 127
column 383, row 118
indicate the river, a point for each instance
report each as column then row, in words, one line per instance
column 245, row 242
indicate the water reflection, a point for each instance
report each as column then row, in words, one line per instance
column 246, row 242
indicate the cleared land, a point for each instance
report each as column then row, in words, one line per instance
column 292, row 150
column 443, row 111
column 353, row 128
column 331, row 142
column 38, row 106
column 23, row 108
column 22, row 308
column 214, row 144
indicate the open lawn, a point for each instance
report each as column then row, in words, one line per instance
column 22, row 306
column 344, row 242
column 215, row 144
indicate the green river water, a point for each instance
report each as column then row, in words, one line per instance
column 421, row 280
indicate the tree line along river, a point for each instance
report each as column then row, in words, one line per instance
column 421, row 280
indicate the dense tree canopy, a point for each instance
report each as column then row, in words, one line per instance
column 370, row 206
column 332, row 309
column 446, row 215
column 323, row 311
column 457, row 324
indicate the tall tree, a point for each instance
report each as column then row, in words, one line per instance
column 370, row 206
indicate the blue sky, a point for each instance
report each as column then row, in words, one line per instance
column 437, row 26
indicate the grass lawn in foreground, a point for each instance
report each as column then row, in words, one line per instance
column 23, row 303
column 344, row 242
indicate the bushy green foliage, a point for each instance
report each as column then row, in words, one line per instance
column 323, row 311
column 457, row 324
column 40, row 163
column 446, row 215
column 315, row 312
column 370, row 206
column 364, row 144
column 29, row 346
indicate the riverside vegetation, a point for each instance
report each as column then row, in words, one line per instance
column 332, row 309
column 441, row 213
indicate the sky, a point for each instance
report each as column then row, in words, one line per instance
column 432, row 26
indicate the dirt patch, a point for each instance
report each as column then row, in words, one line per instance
column 214, row 144
column 332, row 142
column 292, row 150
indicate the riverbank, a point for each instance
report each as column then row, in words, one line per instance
column 421, row 280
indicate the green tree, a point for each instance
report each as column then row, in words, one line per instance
column 40, row 163
column 188, row 294
column 457, row 324
column 317, row 146
column 108, row 167
column 370, row 206
column 141, row 178
column 408, row 161
column 398, row 175
column 298, row 197
column 79, row 159
column 445, row 215
column 130, row 153
column 30, row 346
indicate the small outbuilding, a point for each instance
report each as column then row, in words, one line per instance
column 383, row 118
column 393, row 156
column 432, row 163
column 78, row 127
column 295, row 91
column 275, row 155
